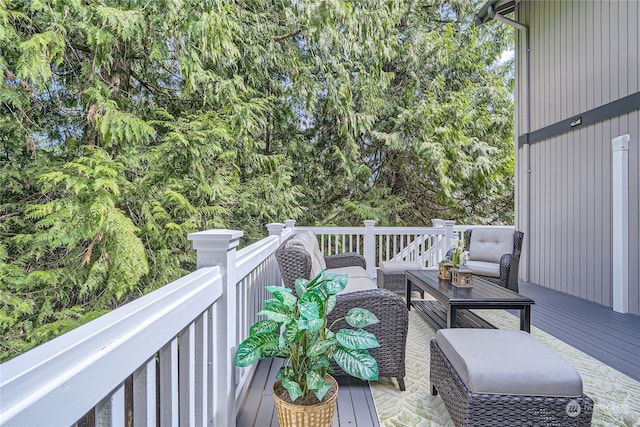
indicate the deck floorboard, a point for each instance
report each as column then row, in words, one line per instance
column 598, row 331
column 610, row 337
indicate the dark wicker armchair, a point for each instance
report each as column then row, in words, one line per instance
column 388, row 307
column 509, row 262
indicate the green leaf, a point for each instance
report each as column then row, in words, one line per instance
column 316, row 280
column 309, row 310
column 320, row 347
column 357, row 340
column 312, row 305
column 358, row 363
column 276, row 351
column 316, row 382
column 283, row 295
column 335, row 283
column 331, row 304
column 285, row 372
column 264, row 326
column 320, row 392
column 301, row 287
column 320, row 362
column 294, row 389
column 250, row 350
column 275, row 316
column 293, row 334
column 312, row 325
column 361, row 318
column 275, row 305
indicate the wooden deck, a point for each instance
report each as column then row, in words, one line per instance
column 610, row 337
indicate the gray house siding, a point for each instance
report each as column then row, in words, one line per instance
column 583, row 54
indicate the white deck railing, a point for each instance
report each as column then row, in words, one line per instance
column 163, row 359
column 167, row 358
column 426, row 245
column 156, row 344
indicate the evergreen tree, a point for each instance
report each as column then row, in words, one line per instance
column 126, row 125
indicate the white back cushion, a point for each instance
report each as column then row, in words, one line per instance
column 490, row 243
column 308, row 241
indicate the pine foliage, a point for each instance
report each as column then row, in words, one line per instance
column 124, row 126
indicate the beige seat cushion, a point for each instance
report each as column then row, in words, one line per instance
column 359, row 279
column 351, row 271
column 308, row 242
column 508, row 362
column 359, row 284
column 484, row 268
column 398, row 266
column 490, row 243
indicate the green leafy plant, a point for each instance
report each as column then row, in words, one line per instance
column 296, row 329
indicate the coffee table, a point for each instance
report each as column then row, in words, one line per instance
column 451, row 300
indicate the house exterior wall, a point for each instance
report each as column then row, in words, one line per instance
column 583, row 55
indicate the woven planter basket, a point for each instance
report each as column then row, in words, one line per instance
column 318, row 415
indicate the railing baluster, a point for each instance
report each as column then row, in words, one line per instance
column 395, row 244
column 213, row 382
column 144, row 395
column 169, row 384
column 186, row 379
column 110, row 411
column 199, row 370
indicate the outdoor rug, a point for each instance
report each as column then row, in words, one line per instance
column 614, row 394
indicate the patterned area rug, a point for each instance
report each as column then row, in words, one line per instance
column 615, row 395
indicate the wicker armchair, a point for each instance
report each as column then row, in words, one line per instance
column 508, row 262
column 388, row 307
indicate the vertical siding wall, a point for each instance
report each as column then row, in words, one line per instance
column 584, row 54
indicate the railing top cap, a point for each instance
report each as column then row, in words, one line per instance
column 217, row 234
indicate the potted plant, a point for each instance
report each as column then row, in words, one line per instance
column 296, row 329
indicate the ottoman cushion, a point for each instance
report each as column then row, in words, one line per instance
column 508, row 362
column 398, row 266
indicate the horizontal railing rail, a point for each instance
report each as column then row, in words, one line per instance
column 130, row 354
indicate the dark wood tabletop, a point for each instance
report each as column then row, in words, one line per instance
column 483, row 294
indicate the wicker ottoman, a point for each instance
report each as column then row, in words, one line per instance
column 391, row 275
column 505, row 378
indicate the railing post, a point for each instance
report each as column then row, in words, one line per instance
column 218, row 248
column 275, row 229
column 370, row 246
column 290, row 223
column 448, row 234
column 441, row 249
